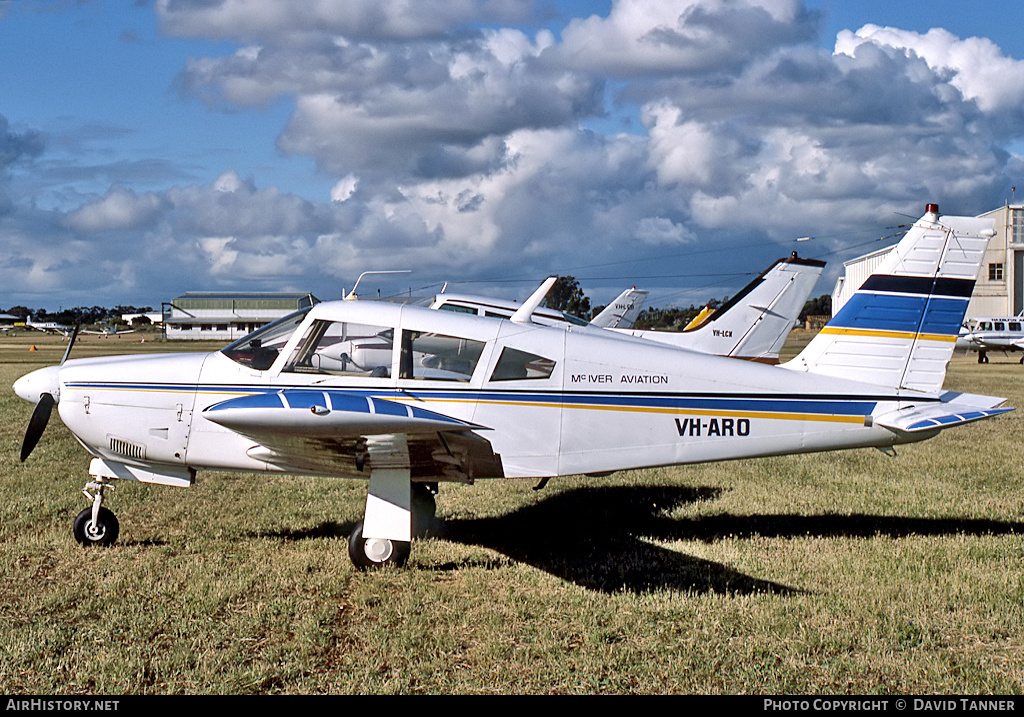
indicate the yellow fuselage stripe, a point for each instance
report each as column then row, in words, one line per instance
column 877, row 333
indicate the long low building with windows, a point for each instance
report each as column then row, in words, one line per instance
column 228, row 315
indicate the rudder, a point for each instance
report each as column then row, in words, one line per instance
column 899, row 328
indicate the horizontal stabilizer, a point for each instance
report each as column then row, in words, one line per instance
column 957, row 410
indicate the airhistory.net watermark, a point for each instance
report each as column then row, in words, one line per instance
column 55, row 705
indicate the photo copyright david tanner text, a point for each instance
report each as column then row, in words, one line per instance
column 892, row 704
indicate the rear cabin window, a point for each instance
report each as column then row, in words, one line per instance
column 438, row 357
column 516, row 365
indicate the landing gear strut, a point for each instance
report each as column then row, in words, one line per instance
column 96, row 525
column 383, row 536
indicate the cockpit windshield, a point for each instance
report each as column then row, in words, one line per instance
column 259, row 349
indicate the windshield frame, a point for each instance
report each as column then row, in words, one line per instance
column 257, row 356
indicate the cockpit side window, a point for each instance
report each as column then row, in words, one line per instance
column 345, row 349
column 259, row 349
column 516, row 365
column 437, row 357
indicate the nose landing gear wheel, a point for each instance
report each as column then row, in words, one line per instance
column 375, row 552
column 103, row 532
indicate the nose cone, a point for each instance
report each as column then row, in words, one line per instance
column 31, row 386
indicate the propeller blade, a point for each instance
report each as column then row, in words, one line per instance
column 37, row 424
column 71, row 342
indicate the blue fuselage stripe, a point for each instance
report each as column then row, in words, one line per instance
column 266, row 396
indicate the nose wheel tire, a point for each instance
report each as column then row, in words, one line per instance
column 103, row 532
column 375, row 552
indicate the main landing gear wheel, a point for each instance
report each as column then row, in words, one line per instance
column 424, row 509
column 375, row 552
column 103, row 532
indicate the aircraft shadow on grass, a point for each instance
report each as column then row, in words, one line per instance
column 600, row 538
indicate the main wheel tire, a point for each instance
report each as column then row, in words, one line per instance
column 424, row 509
column 375, row 552
column 104, row 532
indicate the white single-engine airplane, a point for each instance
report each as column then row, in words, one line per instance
column 408, row 397
column 49, row 327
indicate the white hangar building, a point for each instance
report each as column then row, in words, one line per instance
column 1000, row 287
column 227, row 315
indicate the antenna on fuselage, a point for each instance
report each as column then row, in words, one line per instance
column 351, row 296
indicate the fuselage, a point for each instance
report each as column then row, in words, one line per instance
column 992, row 334
column 549, row 401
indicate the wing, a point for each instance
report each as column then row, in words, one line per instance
column 324, row 431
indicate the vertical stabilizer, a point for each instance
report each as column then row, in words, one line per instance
column 623, row 312
column 753, row 324
column 900, row 327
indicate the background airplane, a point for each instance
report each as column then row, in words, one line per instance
column 622, row 312
column 454, row 398
column 106, row 331
column 753, row 325
column 992, row 333
column 49, row 327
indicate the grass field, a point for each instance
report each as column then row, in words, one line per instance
column 833, row 573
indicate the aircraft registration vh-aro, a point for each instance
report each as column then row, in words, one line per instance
column 408, row 397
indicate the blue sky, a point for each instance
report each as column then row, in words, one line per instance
column 150, row 148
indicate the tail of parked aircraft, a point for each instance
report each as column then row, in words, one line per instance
column 623, row 312
column 753, row 324
column 761, row 316
column 900, row 327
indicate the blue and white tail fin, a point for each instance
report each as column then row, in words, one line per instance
column 900, row 327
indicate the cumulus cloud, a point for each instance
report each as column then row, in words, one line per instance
column 641, row 38
column 979, row 69
column 120, row 209
column 431, row 108
column 366, row 19
column 464, row 150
